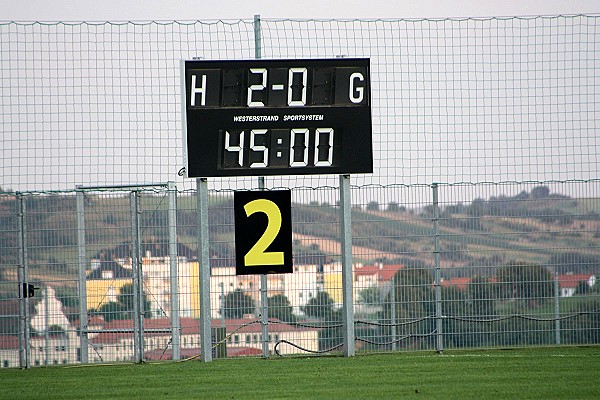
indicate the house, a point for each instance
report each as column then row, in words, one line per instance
column 9, row 351
column 52, row 340
column 568, row 283
column 104, row 283
column 374, row 275
column 243, row 336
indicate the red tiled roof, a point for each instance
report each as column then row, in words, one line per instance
column 571, row 281
column 461, row 283
column 9, row 342
column 384, row 272
column 189, row 326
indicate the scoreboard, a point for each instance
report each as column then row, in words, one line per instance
column 277, row 117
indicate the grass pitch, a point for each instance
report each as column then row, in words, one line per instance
column 539, row 373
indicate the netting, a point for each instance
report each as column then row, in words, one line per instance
column 469, row 100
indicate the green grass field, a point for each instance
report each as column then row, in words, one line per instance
column 541, row 373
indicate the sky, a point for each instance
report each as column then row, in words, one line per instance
column 119, row 10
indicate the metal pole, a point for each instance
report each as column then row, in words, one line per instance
column 23, row 282
column 438, row 286
column 138, row 312
column 47, row 326
column 222, row 285
column 556, row 308
column 81, row 258
column 204, row 269
column 264, row 314
column 175, row 319
column 264, row 318
column 347, row 278
column 257, row 39
column 393, row 314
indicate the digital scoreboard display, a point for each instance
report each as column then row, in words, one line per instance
column 277, row 117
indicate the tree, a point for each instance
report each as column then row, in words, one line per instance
column 482, row 294
column 320, row 307
column 281, row 308
column 582, row 287
column 540, row 192
column 395, row 207
column 373, row 206
column 236, row 304
column 413, row 302
column 370, row 295
column 123, row 307
column 112, row 311
column 125, row 298
column 529, row 282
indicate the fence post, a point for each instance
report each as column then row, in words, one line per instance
column 347, row 278
column 556, row 308
column 439, row 347
column 138, row 311
column 393, row 313
column 264, row 313
column 204, row 268
column 174, row 283
column 81, row 259
column 264, row 300
column 23, row 277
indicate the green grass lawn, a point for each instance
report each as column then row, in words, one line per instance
column 542, row 373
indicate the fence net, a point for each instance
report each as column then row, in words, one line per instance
column 479, row 226
column 470, row 100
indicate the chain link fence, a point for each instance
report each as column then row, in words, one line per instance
column 478, row 228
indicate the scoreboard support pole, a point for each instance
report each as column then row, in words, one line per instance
column 204, row 269
column 264, row 298
column 264, row 313
column 347, row 281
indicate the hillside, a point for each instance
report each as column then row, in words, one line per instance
column 537, row 227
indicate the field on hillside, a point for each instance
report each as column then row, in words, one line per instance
column 535, row 373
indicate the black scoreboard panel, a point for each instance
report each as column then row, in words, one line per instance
column 277, row 117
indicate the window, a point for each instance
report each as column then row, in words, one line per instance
column 248, row 339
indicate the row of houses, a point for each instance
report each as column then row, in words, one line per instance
column 55, row 341
column 567, row 283
column 113, row 340
column 105, row 280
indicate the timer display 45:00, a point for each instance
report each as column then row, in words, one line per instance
column 277, row 148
